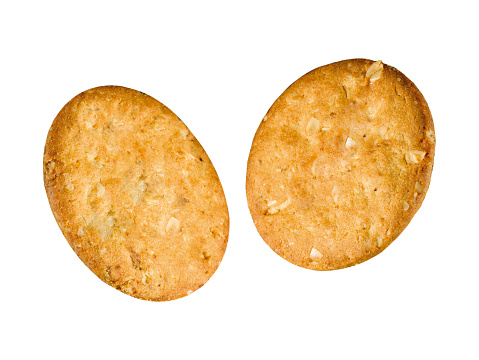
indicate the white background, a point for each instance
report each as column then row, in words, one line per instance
column 219, row 65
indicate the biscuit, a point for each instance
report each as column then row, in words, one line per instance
column 340, row 164
column 135, row 194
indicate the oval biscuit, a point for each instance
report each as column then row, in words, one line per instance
column 340, row 164
column 135, row 194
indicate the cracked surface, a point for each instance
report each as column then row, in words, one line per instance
column 135, row 194
column 340, row 164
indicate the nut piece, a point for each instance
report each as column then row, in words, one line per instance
column 100, row 190
column 138, row 191
column 374, row 71
column 50, row 166
column 145, row 277
column 90, row 157
column 419, row 187
column 350, row 142
column 316, row 165
column 335, row 194
column 271, row 203
column 278, row 208
column 173, row 225
column 313, row 126
column 379, row 240
column 110, row 221
column 405, row 205
column 414, row 156
column 315, row 254
column 382, row 132
column 80, row 232
column 115, row 124
column 184, row 133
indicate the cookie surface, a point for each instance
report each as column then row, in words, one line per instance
column 135, row 194
column 340, row 164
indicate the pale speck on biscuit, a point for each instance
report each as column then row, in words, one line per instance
column 145, row 278
column 382, row 132
column 173, row 225
column 271, row 203
column 414, row 156
column 316, row 166
column 419, row 187
column 379, row 240
column 138, row 191
column 313, row 126
column 350, row 142
column 89, row 124
column 275, row 209
column 116, row 123
column 50, row 166
column 374, row 71
column 100, row 190
column 80, row 232
column 110, row 221
column 315, row 254
column 335, row 194
column 184, row 134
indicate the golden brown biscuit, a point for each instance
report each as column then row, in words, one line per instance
column 135, row 194
column 340, row 164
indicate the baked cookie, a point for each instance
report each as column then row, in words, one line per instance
column 135, row 194
column 340, row 164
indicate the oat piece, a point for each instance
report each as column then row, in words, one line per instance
column 135, row 194
column 352, row 189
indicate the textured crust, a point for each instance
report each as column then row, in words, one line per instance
column 340, row 164
column 135, row 194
